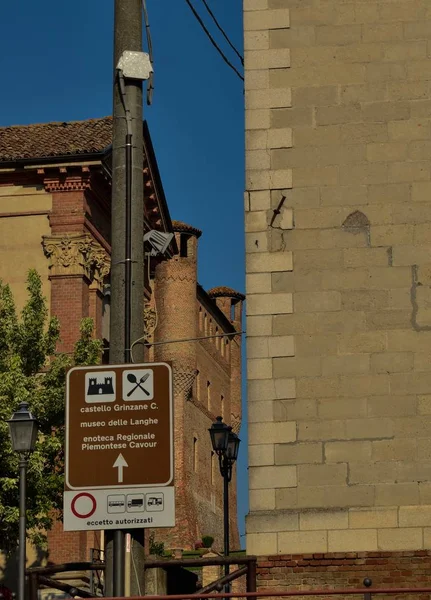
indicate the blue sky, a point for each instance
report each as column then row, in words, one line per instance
column 56, row 65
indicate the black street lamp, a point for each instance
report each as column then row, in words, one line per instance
column 23, row 429
column 225, row 444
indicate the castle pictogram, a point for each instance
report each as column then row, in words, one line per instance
column 95, row 389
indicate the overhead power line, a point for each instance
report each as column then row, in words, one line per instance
column 212, row 40
column 220, row 28
column 150, row 87
column 147, row 30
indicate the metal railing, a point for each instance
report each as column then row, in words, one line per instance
column 275, row 593
column 247, row 564
column 96, row 577
column 43, row 576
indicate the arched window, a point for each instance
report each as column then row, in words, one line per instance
column 195, row 454
column 209, row 395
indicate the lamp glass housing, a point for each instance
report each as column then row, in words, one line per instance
column 219, row 433
column 233, row 447
column 23, row 429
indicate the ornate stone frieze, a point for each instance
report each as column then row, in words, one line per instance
column 150, row 320
column 77, row 254
column 101, row 262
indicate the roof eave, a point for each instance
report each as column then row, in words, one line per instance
column 155, row 173
column 44, row 160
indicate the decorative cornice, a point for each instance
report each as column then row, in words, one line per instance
column 183, row 382
column 66, row 179
column 161, row 278
column 77, row 254
column 235, row 422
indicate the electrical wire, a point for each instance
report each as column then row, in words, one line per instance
column 212, row 40
column 122, row 88
column 147, row 30
column 139, row 340
column 152, row 294
column 194, row 339
column 150, row 86
column 220, row 28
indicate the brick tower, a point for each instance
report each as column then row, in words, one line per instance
column 207, row 383
column 175, row 299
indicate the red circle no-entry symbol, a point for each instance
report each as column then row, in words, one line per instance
column 78, row 511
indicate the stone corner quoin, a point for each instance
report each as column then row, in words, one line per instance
column 338, row 279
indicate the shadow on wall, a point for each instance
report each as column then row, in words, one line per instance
column 36, row 557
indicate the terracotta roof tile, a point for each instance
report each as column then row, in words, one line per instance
column 226, row 292
column 184, row 227
column 43, row 140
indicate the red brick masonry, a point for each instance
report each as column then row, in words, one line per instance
column 342, row 570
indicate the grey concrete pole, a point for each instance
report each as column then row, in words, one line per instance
column 127, row 303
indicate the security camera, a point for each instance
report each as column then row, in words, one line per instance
column 158, row 241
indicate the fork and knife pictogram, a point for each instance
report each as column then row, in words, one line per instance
column 138, row 384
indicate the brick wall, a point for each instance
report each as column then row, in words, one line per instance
column 344, row 570
column 70, row 546
column 338, row 236
column 69, row 303
column 198, row 483
column 73, row 297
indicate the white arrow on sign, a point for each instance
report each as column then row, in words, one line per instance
column 120, row 463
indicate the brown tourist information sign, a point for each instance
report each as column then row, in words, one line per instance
column 119, row 447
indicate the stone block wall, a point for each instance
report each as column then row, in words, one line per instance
column 24, row 211
column 338, row 240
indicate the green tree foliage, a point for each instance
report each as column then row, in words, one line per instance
column 207, row 541
column 156, row 548
column 31, row 372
